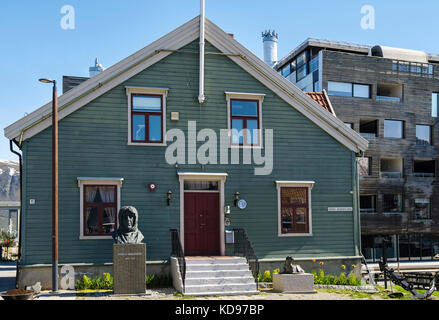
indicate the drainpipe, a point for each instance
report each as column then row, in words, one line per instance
column 201, row 97
column 21, row 211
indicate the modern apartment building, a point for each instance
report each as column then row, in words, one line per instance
column 390, row 96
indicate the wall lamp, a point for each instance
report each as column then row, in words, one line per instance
column 169, row 197
column 236, row 198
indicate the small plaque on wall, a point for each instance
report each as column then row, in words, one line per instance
column 340, row 209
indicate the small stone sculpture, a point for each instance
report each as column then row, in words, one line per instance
column 290, row 268
column 128, row 232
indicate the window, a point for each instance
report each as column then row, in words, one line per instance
column 100, row 210
column 434, row 104
column 393, row 129
column 342, row 89
column 392, row 203
column 368, row 204
column 365, row 167
column 423, row 135
column 286, row 71
column 245, row 120
column 349, row 125
column 346, row 89
column 361, row 91
column 369, row 128
column 424, row 168
column 294, row 206
column 422, row 209
column 147, row 116
column 99, row 205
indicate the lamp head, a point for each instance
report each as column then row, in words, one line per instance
column 44, row 80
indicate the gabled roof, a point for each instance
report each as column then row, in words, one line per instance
column 89, row 90
column 322, row 99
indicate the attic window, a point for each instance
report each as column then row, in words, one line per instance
column 245, row 119
column 146, row 116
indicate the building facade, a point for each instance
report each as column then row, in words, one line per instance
column 390, row 97
column 114, row 143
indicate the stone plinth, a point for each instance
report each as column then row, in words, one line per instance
column 293, row 283
column 129, row 268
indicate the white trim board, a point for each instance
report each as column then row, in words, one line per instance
column 74, row 99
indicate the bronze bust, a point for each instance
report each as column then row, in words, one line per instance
column 128, row 232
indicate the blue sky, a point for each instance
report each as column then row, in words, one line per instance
column 33, row 44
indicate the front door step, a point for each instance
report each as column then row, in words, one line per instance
column 207, row 276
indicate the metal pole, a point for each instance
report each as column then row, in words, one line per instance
column 55, row 189
column 384, row 255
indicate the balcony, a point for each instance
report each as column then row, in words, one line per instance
column 389, row 92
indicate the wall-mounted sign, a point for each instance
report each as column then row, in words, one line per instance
column 152, row 186
column 242, row 204
column 227, row 222
column 340, row 209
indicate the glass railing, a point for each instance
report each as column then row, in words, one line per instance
column 423, row 69
column 390, row 99
column 423, row 175
column 371, row 210
column 368, row 135
column 391, row 175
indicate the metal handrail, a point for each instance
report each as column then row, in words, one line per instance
column 244, row 248
column 177, row 251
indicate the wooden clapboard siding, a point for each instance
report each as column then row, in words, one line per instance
column 93, row 143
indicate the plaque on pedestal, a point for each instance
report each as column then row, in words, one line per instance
column 129, row 268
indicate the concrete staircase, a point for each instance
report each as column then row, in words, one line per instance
column 210, row 276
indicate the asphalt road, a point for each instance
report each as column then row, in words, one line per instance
column 7, row 276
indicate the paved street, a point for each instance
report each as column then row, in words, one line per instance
column 7, row 276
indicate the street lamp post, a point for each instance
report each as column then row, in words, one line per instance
column 54, row 185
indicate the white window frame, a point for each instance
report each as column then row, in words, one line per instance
column 153, row 91
column 84, row 181
column 244, row 96
column 293, row 184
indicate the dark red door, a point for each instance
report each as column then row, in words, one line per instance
column 201, row 224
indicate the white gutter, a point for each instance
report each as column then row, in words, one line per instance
column 201, row 97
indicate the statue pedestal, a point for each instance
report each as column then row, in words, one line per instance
column 293, row 283
column 129, row 268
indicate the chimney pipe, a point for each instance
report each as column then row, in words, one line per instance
column 270, row 39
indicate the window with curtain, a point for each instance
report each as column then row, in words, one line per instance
column 294, row 210
column 100, row 210
column 147, row 118
column 245, row 122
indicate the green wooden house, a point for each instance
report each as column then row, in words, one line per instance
column 118, row 138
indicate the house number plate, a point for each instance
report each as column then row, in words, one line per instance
column 242, row 204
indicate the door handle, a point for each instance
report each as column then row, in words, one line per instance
column 202, row 224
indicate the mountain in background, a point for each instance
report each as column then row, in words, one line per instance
column 9, row 181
